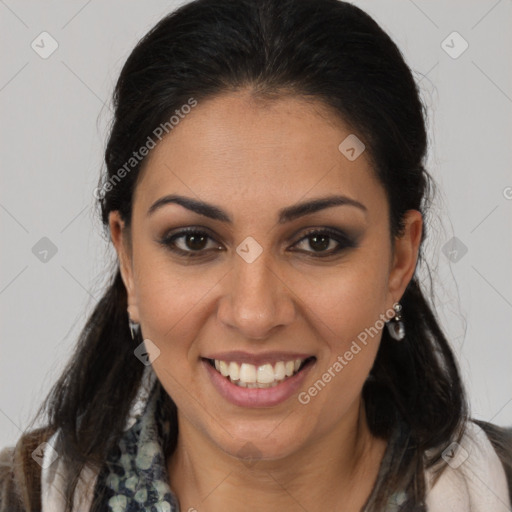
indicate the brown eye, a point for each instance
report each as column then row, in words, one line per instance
column 190, row 241
column 321, row 239
column 319, row 242
column 195, row 241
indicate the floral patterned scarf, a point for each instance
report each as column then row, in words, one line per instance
column 134, row 477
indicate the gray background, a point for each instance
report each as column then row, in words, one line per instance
column 55, row 112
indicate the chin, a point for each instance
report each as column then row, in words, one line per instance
column 264, row 444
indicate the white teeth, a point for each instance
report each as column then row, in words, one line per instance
column 247, row 373
column 223, row 368
column 234, row 371
column 263, row 376
column 279, row 371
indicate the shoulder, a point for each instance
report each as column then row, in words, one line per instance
column 501, row 439
column 20, row 472
column 478, row 475
column 6, row 481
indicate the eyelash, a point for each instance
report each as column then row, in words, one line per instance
column 344, row 242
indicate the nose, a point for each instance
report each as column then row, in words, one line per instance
column 257, row 300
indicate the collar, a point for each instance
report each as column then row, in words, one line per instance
column 474, row 479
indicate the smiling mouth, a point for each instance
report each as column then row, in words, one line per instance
column 263, row 376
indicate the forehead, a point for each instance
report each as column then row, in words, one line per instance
column 255, row 151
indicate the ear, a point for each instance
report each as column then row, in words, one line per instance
column 120, row 238
column 405, row 257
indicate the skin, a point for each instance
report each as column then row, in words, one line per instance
column 252, row 158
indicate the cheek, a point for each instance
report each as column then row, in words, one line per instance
column 345, row 300
column 347, row 320
column 172, row 301
column 345, row 308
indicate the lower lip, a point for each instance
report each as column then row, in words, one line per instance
column 256, row 397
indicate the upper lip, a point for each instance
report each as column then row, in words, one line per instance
column 239, row 356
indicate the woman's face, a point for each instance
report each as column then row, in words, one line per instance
column 252, row 289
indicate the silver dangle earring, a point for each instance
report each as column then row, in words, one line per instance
column 134, row 328
column 395, row 326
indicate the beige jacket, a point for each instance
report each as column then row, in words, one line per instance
column 20, row 475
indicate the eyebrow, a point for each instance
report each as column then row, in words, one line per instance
column 284, row 215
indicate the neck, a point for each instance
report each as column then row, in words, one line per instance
column 339, row 466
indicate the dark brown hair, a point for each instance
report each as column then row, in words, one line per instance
column 325, row 50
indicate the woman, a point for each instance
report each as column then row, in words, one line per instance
column 265, row 343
